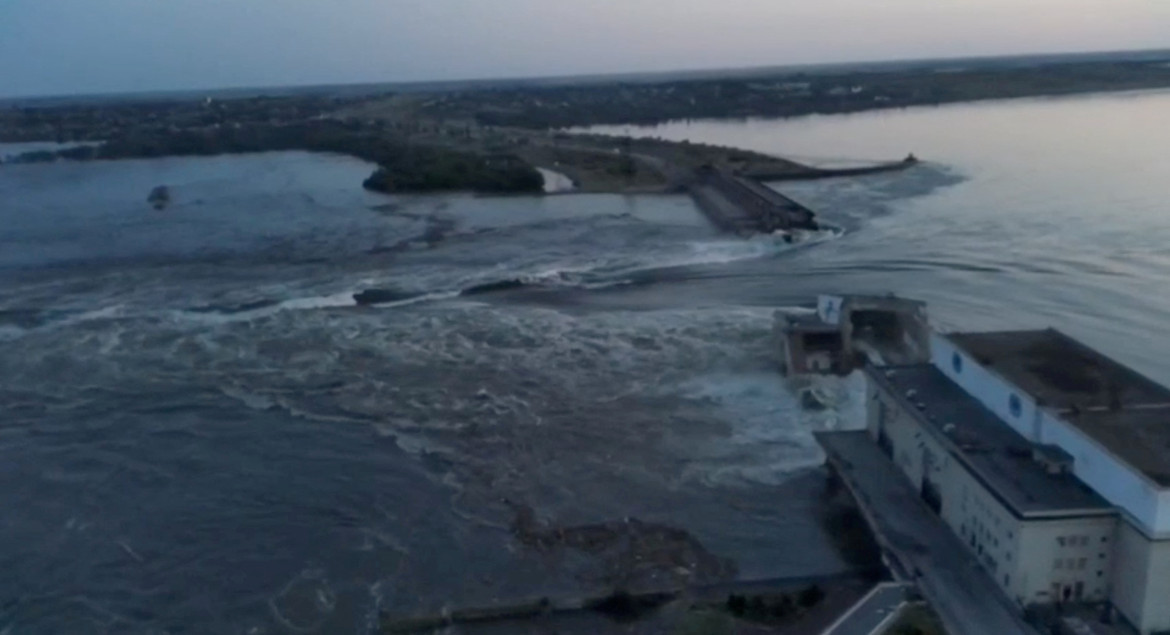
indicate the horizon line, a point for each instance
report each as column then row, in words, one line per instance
column 647, row 76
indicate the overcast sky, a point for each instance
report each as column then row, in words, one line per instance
column 50, row 47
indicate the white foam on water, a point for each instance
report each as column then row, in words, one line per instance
column 104, row 313
column 253, row 400
column 770, row 434
column 373, row 617
column 714, row 252
column 309, row 303
column 342, row 299
column 569, row 267
column 429, row 297
column 305, row 603
column 619, row 268
column 555, row 182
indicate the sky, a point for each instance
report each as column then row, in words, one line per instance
column 61, row 47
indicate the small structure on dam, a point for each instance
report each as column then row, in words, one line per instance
column 847, row 331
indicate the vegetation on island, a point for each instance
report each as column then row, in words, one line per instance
column 738, row 613
column 403, row 166
column 435, row 170
column 776, row 608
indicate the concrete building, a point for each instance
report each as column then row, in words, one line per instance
column 1050, row 460
column 847, row 330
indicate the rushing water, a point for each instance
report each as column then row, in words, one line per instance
column 1057, row 213
column 201, row 432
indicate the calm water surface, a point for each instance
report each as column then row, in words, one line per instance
column 203, row 433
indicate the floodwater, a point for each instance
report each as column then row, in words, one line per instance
column 1028, row 213
column 203, row 433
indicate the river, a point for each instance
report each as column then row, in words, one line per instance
column 1029, row 213
column 203, row 433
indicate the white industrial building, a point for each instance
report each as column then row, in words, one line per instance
column 1048, row 459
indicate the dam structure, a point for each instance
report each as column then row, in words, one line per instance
column 1001, row 472
column 744, row 206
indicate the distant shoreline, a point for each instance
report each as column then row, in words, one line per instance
column 776, row 96
column 592, row 129
column 371, row 88
column 492, row 140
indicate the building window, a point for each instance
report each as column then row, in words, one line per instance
column 1015, row 406
column 1007, row 580
column 1059, row 563
column 1081, row 564
column 957, row 362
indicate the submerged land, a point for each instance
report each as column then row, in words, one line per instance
column 489, row 137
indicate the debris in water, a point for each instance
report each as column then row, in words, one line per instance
column 159, row 197
column 628, row 553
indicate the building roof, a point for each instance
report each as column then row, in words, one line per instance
column 1140, row 437
column 997, row 456
column 1116, row 406
column 1060, row 372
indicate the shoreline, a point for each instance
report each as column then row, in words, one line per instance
column 786, row 94
column 593, row 129
column 485, row 139
column 501, row 161
column 508, row 140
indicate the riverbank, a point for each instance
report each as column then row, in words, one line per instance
column 787, row 93
column 445, row 158
column 782, row 606
column 403, row 166
column 490, row 138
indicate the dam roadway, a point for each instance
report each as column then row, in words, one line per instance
column 742, row 205
column 916, row 544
